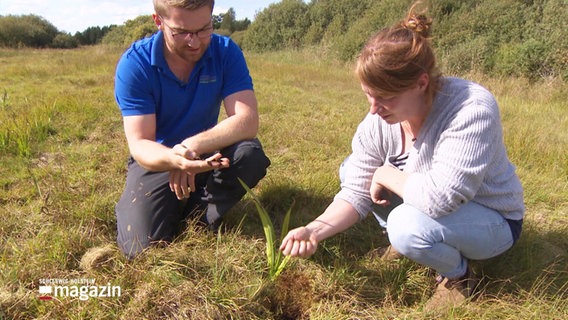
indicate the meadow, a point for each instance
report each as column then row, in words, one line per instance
column 62, row 168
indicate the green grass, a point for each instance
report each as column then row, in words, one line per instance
column 62, row 169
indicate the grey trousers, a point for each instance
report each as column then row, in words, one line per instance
column 148, row 211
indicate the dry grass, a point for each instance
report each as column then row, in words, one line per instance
column 62, row 168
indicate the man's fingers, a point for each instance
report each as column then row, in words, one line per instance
column 191, row 182
column 181, row 184
column 295, row 252
column 217, row 161
column 185, row 189
column 182, row 151
column 176, row 184
column 172, row 181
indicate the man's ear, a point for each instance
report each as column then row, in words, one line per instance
column 157, row 20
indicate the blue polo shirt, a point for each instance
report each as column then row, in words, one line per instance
column 144, row 84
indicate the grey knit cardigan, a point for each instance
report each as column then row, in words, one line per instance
column 459, row 156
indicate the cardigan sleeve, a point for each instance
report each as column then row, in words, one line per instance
column 368, row 153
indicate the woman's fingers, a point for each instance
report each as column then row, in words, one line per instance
column 298, row 243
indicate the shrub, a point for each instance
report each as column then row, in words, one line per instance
column 281, row 25
column 132, row 30
column 26, row 31
column 64, row 41
column 521, row 59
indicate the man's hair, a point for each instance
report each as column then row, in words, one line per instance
column 161, row 6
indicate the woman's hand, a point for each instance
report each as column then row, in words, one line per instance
column 303, row 241
column 300, row 242
column 379, row 193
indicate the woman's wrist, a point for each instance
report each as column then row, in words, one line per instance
column 317, row 228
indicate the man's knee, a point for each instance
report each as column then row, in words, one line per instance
column 250, row 161
column 143, row 225
column 131, row 245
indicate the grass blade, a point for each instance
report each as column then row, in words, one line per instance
column 276, row 262
column 267, row 226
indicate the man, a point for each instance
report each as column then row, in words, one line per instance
column 184, row 163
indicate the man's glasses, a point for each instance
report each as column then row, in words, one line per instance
column 177, row 33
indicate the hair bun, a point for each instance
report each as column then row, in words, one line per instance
column 418, row 23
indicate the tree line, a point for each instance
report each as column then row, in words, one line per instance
column 17, row 31
column 500, row 37
column 33, row 31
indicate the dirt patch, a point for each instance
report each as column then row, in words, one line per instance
column 290, row 296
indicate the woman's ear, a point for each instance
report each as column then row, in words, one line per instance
column 423, row 81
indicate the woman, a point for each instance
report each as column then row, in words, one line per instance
column 430, row 156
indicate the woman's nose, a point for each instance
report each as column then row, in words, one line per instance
column 375, row 106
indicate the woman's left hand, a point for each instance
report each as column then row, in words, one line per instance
column 386, row 181
column 380, row 194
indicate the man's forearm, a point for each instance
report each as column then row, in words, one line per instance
column 225, row 133
column 152, row 156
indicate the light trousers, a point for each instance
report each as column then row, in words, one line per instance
column 445, row 244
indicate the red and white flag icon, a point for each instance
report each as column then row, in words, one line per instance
column 45, row 292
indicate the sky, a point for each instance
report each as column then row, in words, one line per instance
column 77, row 15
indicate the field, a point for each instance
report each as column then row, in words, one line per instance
column 62, row 169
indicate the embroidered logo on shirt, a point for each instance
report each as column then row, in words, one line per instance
column 207, row 79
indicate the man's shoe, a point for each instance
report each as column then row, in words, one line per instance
column 451, row 293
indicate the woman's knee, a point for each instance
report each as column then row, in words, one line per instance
column 404, row 229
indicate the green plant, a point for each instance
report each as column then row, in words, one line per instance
column 276, row 260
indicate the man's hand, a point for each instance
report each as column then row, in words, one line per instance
column 182, row 180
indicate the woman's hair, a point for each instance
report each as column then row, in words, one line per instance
column 393, row 59
column 161, row 6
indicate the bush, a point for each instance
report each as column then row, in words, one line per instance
column 331, row 19
column 238, row 37
column 132, row 30
column 376, row 18
column 64, row 41
column 474, row 55
column 281, row 25
column 26, row 31
column 521, row 59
